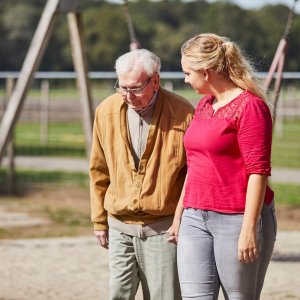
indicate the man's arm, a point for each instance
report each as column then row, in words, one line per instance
column 99, row 182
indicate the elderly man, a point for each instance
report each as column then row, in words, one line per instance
column 137, row 170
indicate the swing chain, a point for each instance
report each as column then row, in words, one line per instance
column 289, row 21
column 134, row 44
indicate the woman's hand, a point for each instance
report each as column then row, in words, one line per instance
column 247, row 246
column 173, row 233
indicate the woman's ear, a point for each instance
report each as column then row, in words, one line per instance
column 205, row 75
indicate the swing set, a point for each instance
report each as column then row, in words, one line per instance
column 39, row 44
column 277, row 65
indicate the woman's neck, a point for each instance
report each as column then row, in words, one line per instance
column 222, row 97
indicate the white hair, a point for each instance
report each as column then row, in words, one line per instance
column 139, row 58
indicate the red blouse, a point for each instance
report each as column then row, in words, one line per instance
column 223, row 148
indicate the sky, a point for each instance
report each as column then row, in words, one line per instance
column 253, row 4
column 249, row 4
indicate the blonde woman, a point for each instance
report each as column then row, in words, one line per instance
column 228, row 227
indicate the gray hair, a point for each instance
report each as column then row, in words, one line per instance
column 139, row 58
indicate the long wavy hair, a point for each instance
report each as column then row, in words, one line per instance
column 212, row 52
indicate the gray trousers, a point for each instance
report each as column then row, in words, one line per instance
column 150, row 261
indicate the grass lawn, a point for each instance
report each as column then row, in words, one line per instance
column 64, row 139
column 67, row 139
column 287, row 194
column 286, row 149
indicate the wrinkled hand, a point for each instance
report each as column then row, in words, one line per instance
column 247, row 246
column 173, row 233
column 102, row 237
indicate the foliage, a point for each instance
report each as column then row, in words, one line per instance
column 161, row 26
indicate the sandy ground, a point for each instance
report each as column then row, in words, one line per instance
column 76, row 268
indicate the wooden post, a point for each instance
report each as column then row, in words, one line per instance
column 11, row 174
column 278, row 129
column 44, row 112
column 280, row 49
column 78, row 54
column 278, row 83
column 31, row 63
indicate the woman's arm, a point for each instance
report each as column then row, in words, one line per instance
column 254, row 128
column 247, row 246
column 174, row 229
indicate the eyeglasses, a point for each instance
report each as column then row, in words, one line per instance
column 136, row 91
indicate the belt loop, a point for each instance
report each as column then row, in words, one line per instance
column 140, row 231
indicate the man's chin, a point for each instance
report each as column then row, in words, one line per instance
column 134, row 107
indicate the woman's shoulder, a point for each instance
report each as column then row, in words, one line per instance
column 252, row 107
column 254, row 102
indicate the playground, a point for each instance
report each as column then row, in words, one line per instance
column 47, row 247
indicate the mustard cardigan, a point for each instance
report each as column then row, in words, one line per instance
column 151, row 192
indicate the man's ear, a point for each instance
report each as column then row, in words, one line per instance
column 156, row 81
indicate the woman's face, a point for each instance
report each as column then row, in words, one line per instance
column 197, row 79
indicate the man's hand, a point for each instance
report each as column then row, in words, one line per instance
column 102, row 237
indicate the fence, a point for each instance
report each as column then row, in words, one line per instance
column 50, row 122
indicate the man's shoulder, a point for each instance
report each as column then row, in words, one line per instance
column 178, row 105
column 110, row 105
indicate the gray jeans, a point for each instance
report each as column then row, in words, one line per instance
column 207, row 255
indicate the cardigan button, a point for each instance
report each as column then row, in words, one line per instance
column 141, row 213
column 138, row 185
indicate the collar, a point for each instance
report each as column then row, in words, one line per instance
column 150, row 107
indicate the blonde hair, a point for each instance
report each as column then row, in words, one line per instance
column 212, row 52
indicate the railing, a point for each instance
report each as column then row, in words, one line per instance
column 50, row 122
column 112, row 75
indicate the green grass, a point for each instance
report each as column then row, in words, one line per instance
column 67, row 139
column 25, row 179
column 69, row 93
column 286, row 149
column 287, row 194
column 64, row 139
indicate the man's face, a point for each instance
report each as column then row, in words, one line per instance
column 137, row 89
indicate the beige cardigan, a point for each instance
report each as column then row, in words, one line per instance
column 151, row 192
